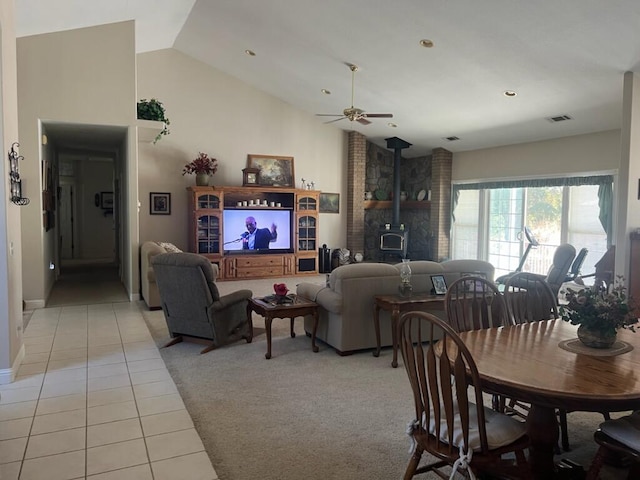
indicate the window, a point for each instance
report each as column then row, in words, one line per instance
column 488, row 224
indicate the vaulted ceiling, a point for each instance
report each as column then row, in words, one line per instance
column 561, row 58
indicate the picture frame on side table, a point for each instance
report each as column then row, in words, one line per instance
column 329, row 203
column 439, row 284
column 159, row 203
column 274, row 170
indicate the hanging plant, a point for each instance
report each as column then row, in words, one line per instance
column 153, row 110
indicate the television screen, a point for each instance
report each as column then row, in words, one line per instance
column 236, row 234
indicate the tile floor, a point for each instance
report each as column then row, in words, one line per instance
column 94, row 400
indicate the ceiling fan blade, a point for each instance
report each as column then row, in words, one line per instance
column 378, row 115
column 336, row 120
column 363, row 121
column 329, row 115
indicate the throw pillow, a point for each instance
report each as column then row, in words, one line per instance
column 169, row 247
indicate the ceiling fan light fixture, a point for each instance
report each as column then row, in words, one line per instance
column 426, row 43
column 251, row 53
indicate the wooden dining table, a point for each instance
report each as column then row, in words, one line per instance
column 526, row 362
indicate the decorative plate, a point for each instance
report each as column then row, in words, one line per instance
column 421, row 195
column 381, row 194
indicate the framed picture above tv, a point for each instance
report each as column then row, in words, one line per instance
column 275, row 170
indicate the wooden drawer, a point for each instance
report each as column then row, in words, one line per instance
column 273, row 271
column 259, row 261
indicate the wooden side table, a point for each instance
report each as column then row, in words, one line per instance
column 270, row 310
column 397, row 304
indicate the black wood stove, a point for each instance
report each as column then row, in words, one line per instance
column 394, row 237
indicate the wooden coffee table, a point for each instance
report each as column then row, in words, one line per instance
column 397, row 304
column 269, row 310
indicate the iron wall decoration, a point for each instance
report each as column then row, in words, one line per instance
column 14, row 174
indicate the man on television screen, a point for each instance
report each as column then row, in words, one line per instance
column 258, row 238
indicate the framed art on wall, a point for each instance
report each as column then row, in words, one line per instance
column 106, row 200
column 329, row 203
column 275, row 170
column 159, row 203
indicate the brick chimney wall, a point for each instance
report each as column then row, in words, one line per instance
column 356, row 176
column 441, row 203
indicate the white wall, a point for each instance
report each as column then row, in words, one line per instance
column 215, row 113
column 11, row 345
column 595, row 152
column 77, row 76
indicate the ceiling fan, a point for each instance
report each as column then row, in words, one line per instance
column 353, row 113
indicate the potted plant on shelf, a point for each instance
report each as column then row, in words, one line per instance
column 153, row 110
column 599, row 313
column 203, row 167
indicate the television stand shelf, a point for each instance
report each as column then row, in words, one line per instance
column 217, row 224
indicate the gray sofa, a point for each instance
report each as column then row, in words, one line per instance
column 346, row 303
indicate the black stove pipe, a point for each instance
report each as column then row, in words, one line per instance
column 397, row 144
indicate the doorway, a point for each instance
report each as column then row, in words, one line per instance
column 87, row 161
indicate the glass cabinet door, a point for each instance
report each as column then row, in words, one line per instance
column 307, row 203
column 306, row 233
column 208, row 240
column 208, row 201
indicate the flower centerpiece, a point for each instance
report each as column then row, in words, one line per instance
column 203, row 167
column 599, row 313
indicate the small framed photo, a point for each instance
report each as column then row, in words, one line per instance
column 329, row 203
column 106, row 200
column 159, row 203
column 439, row 284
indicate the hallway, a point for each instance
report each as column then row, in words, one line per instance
column 87, row 284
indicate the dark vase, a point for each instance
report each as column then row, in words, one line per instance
column 202, row 179
column 596, row 338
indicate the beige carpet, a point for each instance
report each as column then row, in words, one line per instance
column 305, row 415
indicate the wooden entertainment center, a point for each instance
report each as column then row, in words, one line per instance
column 207, row 230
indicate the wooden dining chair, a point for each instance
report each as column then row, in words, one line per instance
column 619, row 436
column 451, row 422
column 529, row 298
column 473, row 303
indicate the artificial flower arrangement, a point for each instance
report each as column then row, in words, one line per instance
column 202, row 164
column 600, row 310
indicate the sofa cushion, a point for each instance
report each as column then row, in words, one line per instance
column 360, row 270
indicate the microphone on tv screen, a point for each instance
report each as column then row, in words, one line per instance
column 245, row 235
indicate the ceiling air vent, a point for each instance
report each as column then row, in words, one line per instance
column 453, row 138
column 559, row 118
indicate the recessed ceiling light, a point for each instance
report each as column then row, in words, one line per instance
column 392, row 125
column 251, row 53
column 325, row 91
column 426, row 43
column 510, row 93
column 452, row 138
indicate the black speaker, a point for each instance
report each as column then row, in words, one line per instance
column 306, row 264
column 324, row 257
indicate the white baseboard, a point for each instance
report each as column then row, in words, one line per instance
column 8, row 375
column 33, row 304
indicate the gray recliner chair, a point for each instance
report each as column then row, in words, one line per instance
column 192, row 304
column 562, row 260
